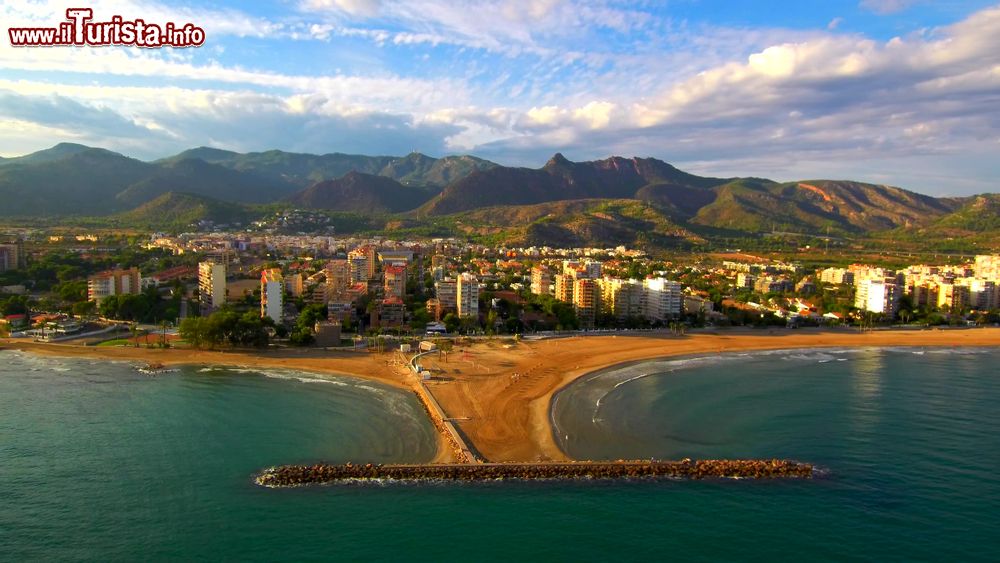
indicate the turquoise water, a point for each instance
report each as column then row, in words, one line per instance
column 100, row 462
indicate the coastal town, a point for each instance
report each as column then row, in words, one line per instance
column 328, row 292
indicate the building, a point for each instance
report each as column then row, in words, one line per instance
column 924, row 294
column 564, row 287
column 392, row 312
column 113, row 282
column 877, row 297
column 694, row 304
column 294, row 285
column 987, row 267
column 541, row 281
column 768, row 284
column 271, row 298
column 467, row 295
column 953, row 296
column 327, row 334
column 837, row 276
column 621, row 298
column 11, row 256
column 364, row 263
column 446, row 292
column 984, row 295
column 805, row 286
column 586, row 300
column 211, row 285
column 745, row 280
column 394, row 281
column 338, row 275
column 662, row 299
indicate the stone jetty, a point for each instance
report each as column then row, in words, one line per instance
column 297, row 475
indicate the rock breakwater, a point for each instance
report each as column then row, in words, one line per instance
column 298, row 475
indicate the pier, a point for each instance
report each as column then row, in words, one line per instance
column 299, row 475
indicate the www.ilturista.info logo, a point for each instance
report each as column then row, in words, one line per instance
column 80, row 30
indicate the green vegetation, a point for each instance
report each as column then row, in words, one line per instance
column 226, row 327
column 145, row 307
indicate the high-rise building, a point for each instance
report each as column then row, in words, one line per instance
column 662, row 299
column 924, row 294
column 467, row 289
column 984, row 294
column 364, row 263
column 338, row 275
column 394, row 281
column 446, row 292
column 564, row 287
column 113, row 282
column 877, row 296
column 271, row 298
column 211, row 285
column 11, row 256
column 541, row 281
column 621, row 298
column 586, row 297
column 953, row 296
column 294, row 284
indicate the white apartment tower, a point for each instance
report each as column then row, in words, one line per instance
column 467, row 289
column 211, row 285
column 662, row 299
column 271, row 299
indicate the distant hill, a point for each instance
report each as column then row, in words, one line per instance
column 977, row 214
column 67, row 180
column 181, row 209
column 73, row 180
column 363, row 193
column 582, row 222
column 303, row 170
column 560, row 179
column 756, row 205
column 199, row 177
column 612, row 201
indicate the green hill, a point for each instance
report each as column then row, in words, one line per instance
column 176, row 209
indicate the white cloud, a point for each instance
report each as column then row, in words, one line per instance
column 886, row 6
column 732, row 97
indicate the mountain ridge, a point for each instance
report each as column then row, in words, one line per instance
column 639, row 194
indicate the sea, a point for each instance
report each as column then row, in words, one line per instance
column 101, row 462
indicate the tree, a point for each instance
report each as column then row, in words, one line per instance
column 451, row 322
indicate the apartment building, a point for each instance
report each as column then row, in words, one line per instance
column 113, row 282
column 662, row 299
column 877, row 296
column 467, row 293
column 211, row 285
column 271, row 294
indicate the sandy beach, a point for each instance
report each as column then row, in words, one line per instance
column 499, row 392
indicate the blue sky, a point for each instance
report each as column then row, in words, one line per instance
column 901, row 92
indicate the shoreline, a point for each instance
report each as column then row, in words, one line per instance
column 356, row 365
column 597, row 373
column 499, row 394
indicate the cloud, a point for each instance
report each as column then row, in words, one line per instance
column 517, row 81
column 834, row 23
column 886, row 6
column 365, row 8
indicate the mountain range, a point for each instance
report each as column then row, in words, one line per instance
column 621, row 200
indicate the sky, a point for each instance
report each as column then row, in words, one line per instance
column 899, row 92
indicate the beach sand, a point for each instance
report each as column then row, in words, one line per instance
column 499, row 392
